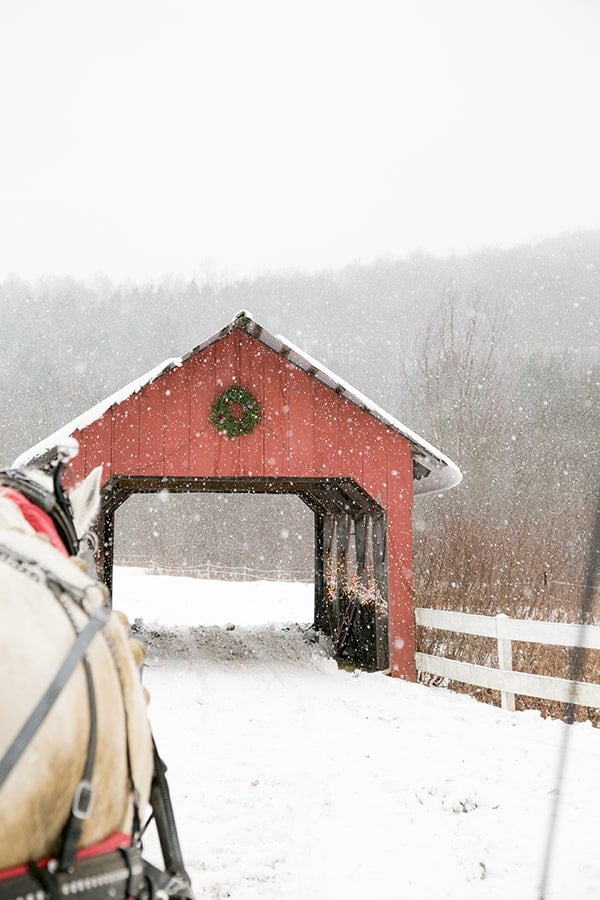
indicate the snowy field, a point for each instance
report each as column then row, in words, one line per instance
column 293, row 779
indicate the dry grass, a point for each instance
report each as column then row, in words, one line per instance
column 524, row 569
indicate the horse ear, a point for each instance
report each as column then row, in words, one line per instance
column 85, row 500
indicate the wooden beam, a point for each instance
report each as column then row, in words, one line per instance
column 380, row 554
column 321, row 618
column 105, row 530
column 330, row 579
column 360, row 543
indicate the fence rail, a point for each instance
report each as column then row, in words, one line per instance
column 222, row 573
column 506, row 630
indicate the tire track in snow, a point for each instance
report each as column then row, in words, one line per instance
column 202, row 667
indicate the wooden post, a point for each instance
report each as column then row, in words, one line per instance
column 112, row 496
column 329, row 575
column 341, row 550
column 380, row 554
column 507, row 700
column 360, row 541
column 321, row 621
column 105, row 530
column 342, row 542
column 379, row 544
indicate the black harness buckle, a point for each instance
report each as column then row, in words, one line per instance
column 83, row 799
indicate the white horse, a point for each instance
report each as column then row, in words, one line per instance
column 47, row 599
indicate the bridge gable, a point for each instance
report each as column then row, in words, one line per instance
column 306, row 428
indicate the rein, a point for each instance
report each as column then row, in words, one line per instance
column 50, row 695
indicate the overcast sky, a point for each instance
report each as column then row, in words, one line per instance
column 141, row 137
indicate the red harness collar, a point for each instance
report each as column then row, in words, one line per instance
column 113, row 842
column 39, row 520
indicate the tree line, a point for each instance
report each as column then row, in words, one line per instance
column 492, row 356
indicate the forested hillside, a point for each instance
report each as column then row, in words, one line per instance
column 494, row 357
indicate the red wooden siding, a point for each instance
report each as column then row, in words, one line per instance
column 301, row 424
column 152, row 446
column 227, row 371
column 203, row 438
column 400, row 575
column 126, row 436
column 177, row 422
column 252, row 455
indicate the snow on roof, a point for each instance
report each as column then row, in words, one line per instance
column 433, row 470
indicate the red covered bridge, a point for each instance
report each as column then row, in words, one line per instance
column 303, row 431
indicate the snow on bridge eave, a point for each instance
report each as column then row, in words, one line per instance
column 45, row 449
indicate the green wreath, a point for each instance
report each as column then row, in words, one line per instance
column 224, row 418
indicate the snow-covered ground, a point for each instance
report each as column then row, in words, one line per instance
column 293, row 779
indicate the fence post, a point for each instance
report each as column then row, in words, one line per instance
column 507, row 700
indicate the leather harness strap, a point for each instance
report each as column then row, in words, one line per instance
column 84, row 792
column 113, row 842
column 118, row 874
column 47, row 700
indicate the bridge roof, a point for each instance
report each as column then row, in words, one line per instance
column 433, row 470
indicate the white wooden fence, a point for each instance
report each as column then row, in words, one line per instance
column 219, row 572
column 503, row 679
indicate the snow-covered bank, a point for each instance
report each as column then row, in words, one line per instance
column 293, row 779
